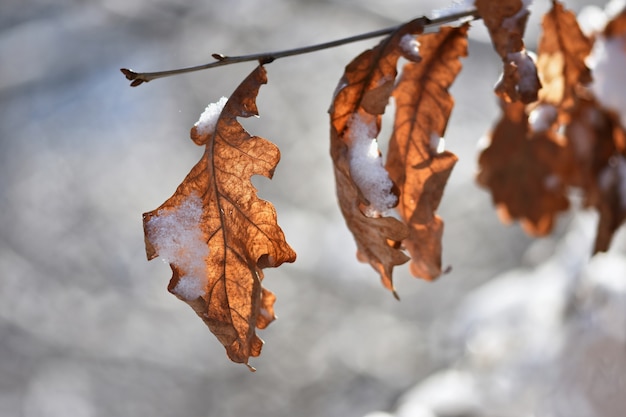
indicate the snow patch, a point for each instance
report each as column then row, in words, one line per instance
column 437, row 143
column 178, row 240
column 542, row 117
column 410, row 47
column 591, row 20
column 526, row 70
column 208, row 119
column 366, row 166
column 607, row 62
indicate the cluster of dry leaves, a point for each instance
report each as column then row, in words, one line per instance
column 528, row 167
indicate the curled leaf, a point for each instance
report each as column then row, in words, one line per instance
column 364, row 189
column 423, row 107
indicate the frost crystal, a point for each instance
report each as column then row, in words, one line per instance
column 367, row 168
column 208, row 119
column 178, row 239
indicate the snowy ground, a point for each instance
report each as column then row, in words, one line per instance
column 87, row 327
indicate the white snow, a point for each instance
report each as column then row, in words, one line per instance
column 410, row 47
column 437, row 143
column 607, row 59
column 457, row 6
column 542, row 117
column 366, row 165
column 591, row 20
column 178, row 239
column 607, row 62
column 208, row 119
column 613, row 8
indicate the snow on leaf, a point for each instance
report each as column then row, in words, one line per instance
column 364, row 190
column 217, row 234
column 423, row 106
column 525, row 171
column 506, row 22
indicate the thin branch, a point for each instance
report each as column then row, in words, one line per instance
column 139, row 78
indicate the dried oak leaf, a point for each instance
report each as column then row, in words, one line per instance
column 364, row 190
column 506, row 22
column 423, row 107
column 524, row 171
column 218, row 235
column 562, row 51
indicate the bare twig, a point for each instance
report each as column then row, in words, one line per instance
column 138, row 78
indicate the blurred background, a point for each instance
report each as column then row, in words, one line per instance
column 519, row 327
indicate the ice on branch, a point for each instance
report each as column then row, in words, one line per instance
column 366, row 166
column 457, row 6
column 208, row 119
column 177, row 238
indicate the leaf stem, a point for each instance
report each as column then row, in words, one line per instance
column 138, row 78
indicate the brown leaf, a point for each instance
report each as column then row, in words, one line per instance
column 218, row 235
column 423, row 106
column 506, row 22
column 562, row 51
column 364, row 189
column 524, row 171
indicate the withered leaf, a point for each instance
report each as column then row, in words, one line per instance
column 506, row 22
column 423, row 107
column 355, row 115
column 525, row 171
column 562, row 51
column 218, row 235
